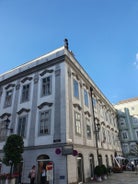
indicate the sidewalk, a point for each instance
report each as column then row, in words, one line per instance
column 127, row 177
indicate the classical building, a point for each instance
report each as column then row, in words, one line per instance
column 128, row 126
column 67, row 124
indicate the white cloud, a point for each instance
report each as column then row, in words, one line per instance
column 136, row 56
column 136, row 61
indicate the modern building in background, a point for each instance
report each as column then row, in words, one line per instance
column 66, row 122
column 128, row 127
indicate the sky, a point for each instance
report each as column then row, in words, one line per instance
column 102, row 34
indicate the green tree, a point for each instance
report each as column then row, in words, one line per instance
column 13, row 150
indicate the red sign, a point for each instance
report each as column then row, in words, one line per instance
column 49, row 166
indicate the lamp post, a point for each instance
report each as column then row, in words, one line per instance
column 11, row 164
column 96, row 128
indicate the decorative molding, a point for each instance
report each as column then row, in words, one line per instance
column 78, row 106
column 5, row 115
column 45, row 104
column 85, row 86
column 96, row 118
column 107, row 126
column 46, row 71
column 23, row 110
column 77, row 77
column 9, row 85
column 87, row 113
column 103, row 123
column 25, row 79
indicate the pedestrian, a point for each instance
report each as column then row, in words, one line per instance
column 32, row 174
column 43, row 176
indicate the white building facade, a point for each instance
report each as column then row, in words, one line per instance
column 55, row 106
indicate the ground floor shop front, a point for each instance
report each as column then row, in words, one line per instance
column 60, row 165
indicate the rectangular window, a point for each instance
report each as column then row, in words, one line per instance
column 104, row 134
column 135, row 119
column 45, row 118
column 47, row 86
column 8, row 98
column 94, row 102
column 21, row 125
column 122, row 121
column 125, row 148
column 88, row 128
column 77, row 123
column 76, row 88
column 85, row 97
column 25, row 93
column 124, row 135
column 2, row 131
column 137, row 134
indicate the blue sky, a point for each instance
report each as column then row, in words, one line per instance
column 103, row 35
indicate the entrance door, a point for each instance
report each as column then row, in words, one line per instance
column 45, row 170
column 91, row 158
column 80, row 168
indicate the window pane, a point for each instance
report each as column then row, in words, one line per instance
column 8, row 98
column 25, row 93
column 45, row 122
column 76, row 89
column 46, row 86
column 77, row 123
column 2, row 131
column 21, row 125
column 86, row 97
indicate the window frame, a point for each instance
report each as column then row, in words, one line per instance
column 44, row 123
column 8, row 98
column 44, row 90
column 77, row 119
column 75, row 88
column 86, row 98
column 88, row 128
column 21, row 123
column 25, row 96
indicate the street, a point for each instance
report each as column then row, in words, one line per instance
column 127, row 177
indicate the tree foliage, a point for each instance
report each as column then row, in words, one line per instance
column 13, row 150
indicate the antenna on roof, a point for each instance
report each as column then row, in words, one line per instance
column 66, row 43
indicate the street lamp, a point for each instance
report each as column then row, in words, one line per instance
column 7, row 121
column 11, row 163
column 96, row 128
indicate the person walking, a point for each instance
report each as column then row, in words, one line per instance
column 32, row 174
column 43, row 176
